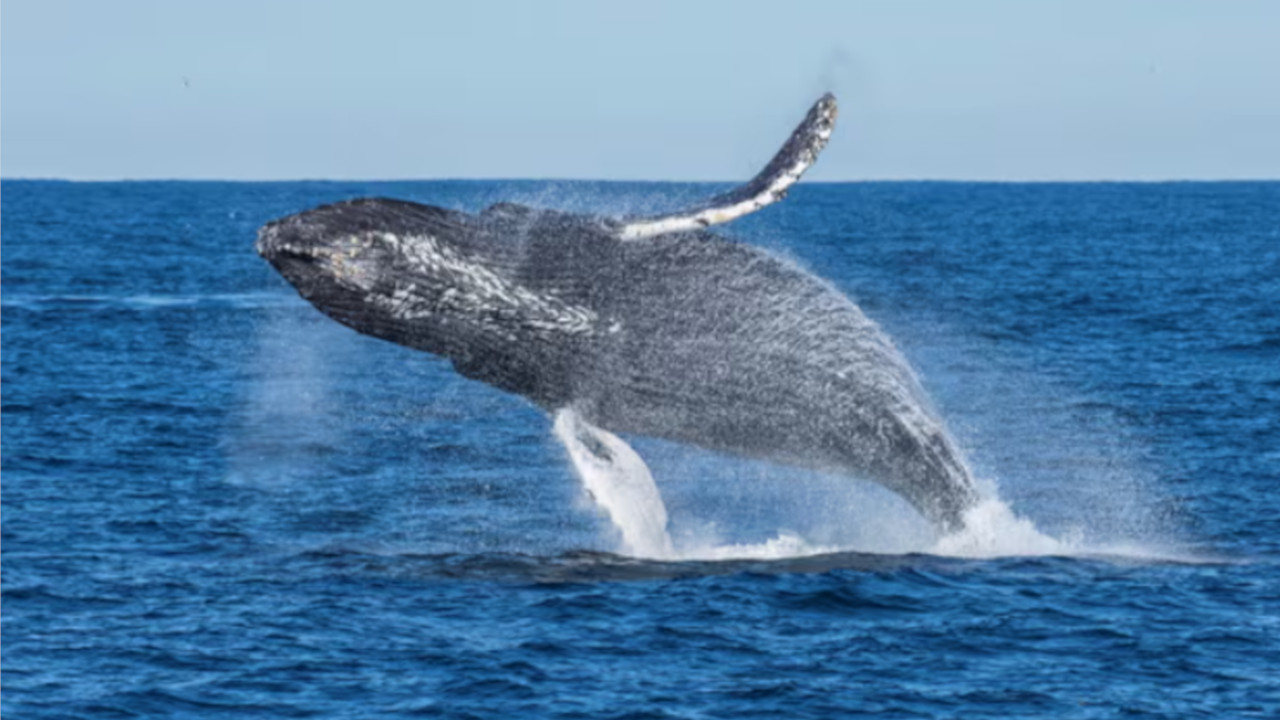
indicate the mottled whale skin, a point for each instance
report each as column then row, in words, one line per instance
column 648, row 326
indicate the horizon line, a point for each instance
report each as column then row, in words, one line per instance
column 1133, row 180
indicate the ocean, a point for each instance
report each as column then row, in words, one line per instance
column 218, row 502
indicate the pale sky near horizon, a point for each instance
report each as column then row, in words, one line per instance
column 656, row 90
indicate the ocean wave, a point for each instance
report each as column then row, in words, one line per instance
column 143, row 302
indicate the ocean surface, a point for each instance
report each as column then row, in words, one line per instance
column 218, row 502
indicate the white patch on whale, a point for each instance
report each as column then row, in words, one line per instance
column 475, row 291
column 796, row 156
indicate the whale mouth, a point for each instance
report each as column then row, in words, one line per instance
column 295, row 262
column 308, row 266
column 273, row 246
column 286, row 253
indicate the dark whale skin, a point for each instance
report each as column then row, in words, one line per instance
column 686, row 336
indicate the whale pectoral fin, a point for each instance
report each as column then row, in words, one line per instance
column 619, row 482
column 769, row 186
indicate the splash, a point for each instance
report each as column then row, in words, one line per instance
column 992, row 529
column 622, row 487
column 287, row 413
column 785, row 545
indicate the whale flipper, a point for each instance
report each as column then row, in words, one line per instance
column 619, row 482
column 769, row 186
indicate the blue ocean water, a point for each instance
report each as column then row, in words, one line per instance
column 217, row 501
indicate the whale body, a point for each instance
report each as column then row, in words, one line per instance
column 648, row 326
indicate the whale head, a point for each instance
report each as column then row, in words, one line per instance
column 442, row 281
column 369, row 266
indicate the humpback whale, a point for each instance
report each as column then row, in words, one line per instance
column 640, row 325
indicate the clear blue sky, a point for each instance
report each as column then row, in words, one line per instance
column 689, row 90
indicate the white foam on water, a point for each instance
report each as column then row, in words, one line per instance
column 785, row 545
column 993, row 529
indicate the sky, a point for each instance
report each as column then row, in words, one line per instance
column 652, row 90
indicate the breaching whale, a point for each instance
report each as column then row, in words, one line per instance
column 643, row 325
